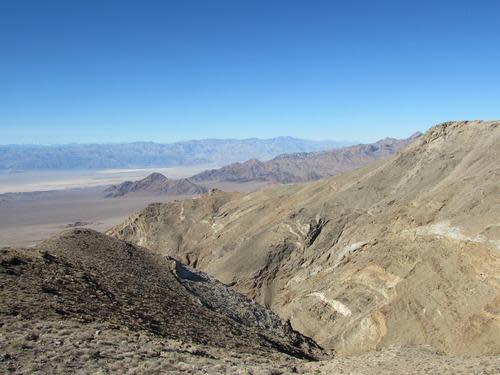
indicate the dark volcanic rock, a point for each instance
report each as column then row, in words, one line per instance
column 155, row 184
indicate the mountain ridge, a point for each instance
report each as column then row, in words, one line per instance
column 351, row 260
column 303, row 167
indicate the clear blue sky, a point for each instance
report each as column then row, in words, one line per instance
column 110, row 71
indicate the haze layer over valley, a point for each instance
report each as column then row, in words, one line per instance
column 150, row 154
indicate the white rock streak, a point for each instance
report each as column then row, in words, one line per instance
column 181, row 214
column 336, row 305
column 289, row 227
column 444, row 229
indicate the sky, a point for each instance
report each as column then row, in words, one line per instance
column 120, row 71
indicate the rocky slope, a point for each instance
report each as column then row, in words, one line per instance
column 84, row 279
column 155, row 184
column 85, row 303
column 302, row 167
column 404, row 252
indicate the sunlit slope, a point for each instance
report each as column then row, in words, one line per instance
column 404, row 252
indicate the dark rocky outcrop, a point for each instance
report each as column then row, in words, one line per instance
column 155, row 184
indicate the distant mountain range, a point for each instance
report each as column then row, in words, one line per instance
column 285, row 168
column 301, row 167
column 150, row 154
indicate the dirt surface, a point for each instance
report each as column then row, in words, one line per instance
column 27, row 219
column 66, row 346
column 404, row 252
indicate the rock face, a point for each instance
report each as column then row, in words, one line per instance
column 89, row 278
column 302, row 167
column 403, row 252
column 155, row 184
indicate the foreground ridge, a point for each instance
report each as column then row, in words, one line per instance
column 93, row 282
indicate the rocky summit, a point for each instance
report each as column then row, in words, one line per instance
column 404, row 252
column 155, row 184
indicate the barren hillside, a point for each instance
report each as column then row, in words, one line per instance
column 404, row 252
column 82, row 279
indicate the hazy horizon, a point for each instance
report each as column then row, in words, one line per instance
column 97, row 141
column 186, row 141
